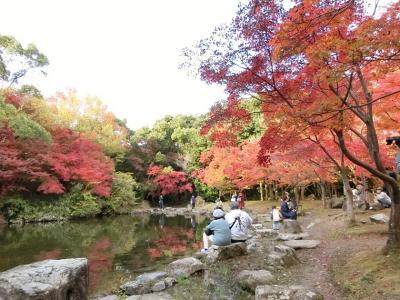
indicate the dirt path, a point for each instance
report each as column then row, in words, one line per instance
column 316, row 269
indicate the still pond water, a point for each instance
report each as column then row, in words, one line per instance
column 117, row 247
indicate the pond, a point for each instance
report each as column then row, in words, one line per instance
column 117, row 247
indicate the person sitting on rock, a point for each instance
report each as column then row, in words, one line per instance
column 239, row 222
column 217, row 232
column 286, row 212
column 382, row 200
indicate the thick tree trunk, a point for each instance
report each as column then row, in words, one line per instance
column 349, row 198
column 267, row 194
column 394, row 224
column 261, row 191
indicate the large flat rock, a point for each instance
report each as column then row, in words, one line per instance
column 218, row 253
column 379, row 218
column 280, row 292
column 46, row 280
column 145, row 283
column 185, row 267
column 299, row 244
column 292, row 236
column 250, row 279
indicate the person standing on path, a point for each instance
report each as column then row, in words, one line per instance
column 193, row 201
column 276, row 218
column 161, row 201
column 241, row 199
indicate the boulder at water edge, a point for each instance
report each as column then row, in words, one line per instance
column 185, row 267
column 251, row 279
column 290, row 226
column 217, row 253
column 299, row 244
column 280, row 292
column 379, row 218
column 145, row 283
column 48, row 279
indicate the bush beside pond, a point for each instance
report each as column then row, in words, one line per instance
column 77, row 203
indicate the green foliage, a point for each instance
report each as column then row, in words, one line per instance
column 21, row 124
column 77, row 203
column 123, row 195
column 209, row 194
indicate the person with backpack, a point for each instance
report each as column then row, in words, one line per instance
column 239, row 222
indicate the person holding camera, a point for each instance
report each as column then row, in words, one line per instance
column 217, row 232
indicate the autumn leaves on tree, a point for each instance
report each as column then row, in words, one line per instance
column 324, row 72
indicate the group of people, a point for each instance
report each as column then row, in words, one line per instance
column 363, row 198
column 239, row 198
column 228, row 228
column 287, row 210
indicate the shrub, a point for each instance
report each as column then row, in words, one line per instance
column 123, row 194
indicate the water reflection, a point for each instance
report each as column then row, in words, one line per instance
column 116, row 247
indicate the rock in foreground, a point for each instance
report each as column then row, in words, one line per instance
column 290, row 226
column 250, row 279
column 185, row 267
column 279, row 292
column 145, row 283
column 379, row 218
column 49, row 279
column 218, row 253
column 299, row 244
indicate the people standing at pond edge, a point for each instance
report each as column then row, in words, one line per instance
column 193, row 201
column 239, row 222
column 161, row 201
column 217, row 232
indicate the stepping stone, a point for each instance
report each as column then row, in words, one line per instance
column 379, row 218
column 292, row 236
column 299, row 244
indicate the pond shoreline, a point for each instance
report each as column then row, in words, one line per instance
column 167, row 211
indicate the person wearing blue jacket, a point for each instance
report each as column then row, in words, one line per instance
column 217, row 232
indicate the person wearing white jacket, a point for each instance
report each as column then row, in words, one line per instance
column 239, row 222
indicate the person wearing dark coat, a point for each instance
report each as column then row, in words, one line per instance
column 286, row 212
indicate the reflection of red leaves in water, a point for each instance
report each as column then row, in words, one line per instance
column 100, row 261
column 154, row 252
column 197, row 245
column 52, row 254
column 174, row 241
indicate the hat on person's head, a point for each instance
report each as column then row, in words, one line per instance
column 234, row 205
column 218, row 213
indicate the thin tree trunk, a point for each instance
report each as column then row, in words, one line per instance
column 323, row 196
column 297, row 194
column 302, row 190
column 349, row 198
column 261, row 191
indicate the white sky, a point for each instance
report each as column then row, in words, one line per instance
column 126, row 52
